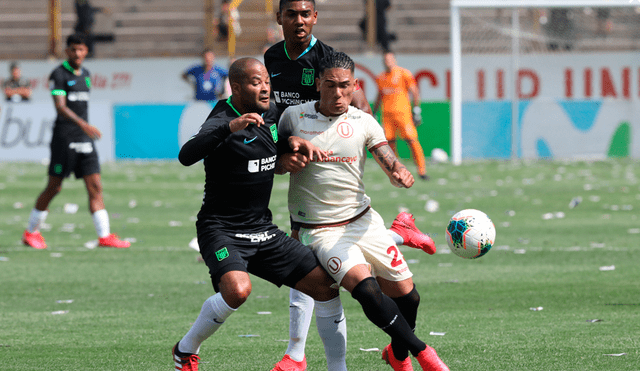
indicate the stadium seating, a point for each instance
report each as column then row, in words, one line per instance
column 151, row 28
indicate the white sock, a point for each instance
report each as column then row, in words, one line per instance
column 101, row 222
column 396, row 237
column 300, row 312
column 212, row 315
column 36, row 218
column 332, row 327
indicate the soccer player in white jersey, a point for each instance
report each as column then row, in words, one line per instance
column 328, row 199
column 293, row 66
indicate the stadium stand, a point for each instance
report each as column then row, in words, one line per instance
column 151, row 28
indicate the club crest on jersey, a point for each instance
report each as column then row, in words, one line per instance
column 307, row 76
column 274, row 133
column 222, row 254
column 345, row 130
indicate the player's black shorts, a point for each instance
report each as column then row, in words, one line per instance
column 270, row 255
column 79, row 157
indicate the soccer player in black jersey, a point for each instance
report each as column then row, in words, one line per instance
column 293, row 67
column 239, row 144
column 72, row 147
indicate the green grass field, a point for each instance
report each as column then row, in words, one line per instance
column 129, row 307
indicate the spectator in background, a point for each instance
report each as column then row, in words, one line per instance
column 223, row 21
column 383, row 37
column 208, row 78
column 395, row 85
column 560, row 30
column 84, row 24
column 16, row 89
column 603, row 22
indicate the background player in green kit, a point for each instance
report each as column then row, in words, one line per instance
column 72, row 147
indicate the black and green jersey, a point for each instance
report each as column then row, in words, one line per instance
column 293, row 81
column 239, row 168
column 63, row 81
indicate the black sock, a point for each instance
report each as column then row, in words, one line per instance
column 384, row 313
column 408, row 305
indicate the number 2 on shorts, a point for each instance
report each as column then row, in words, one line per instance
column 395, row 261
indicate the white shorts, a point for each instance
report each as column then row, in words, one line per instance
column 364, row 241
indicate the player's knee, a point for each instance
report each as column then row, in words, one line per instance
column 235, row 293
column 318, row 285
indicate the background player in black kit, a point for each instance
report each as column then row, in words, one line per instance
column 239, row 144
column 72, row 147
column 293, row 67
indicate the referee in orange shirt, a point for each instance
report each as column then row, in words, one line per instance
column 394, row 86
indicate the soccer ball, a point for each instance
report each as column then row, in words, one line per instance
column 470, row 234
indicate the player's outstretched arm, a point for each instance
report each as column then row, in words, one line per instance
column 398, row 174
column 307, row 148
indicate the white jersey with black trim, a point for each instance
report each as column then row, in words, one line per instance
column 330, row 191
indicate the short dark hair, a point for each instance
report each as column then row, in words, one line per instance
column 238, row 69
column 75, row 39
column 13, row 66
column 285, row 2
column 336, row 60
column 207, row 50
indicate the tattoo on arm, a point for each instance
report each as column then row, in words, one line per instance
column 386, row 158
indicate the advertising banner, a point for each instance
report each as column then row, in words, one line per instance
column 26, row 129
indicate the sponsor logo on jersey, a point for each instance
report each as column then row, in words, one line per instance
column 343, row 159
column 81, row 147
column 289, row 98
column 344, row 129
column 222, row 254
column 256, row 237
column 247, row 141
column 71, row 82
column 313, row 132
column 78, row 96
column 308, row 115
column 302, row 213
column 308, row 76
column 356, row 117
column 263, row 164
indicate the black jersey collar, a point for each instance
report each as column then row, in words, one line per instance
column 311, row 44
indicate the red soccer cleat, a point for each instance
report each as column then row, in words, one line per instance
column 288, row 364
column 390, row 358
column 188, row 362
column 113, row 241
column 34, row 240
column 405, row 226
column 429, row 360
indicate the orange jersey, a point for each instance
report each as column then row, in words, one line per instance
column 394, row 87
